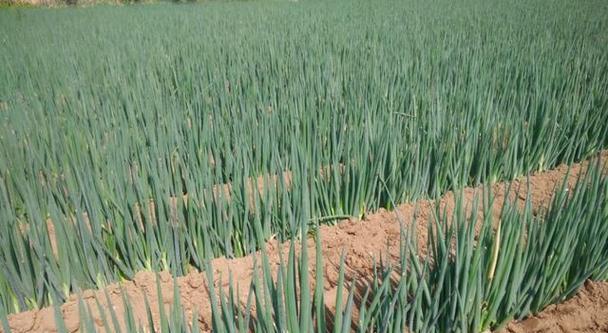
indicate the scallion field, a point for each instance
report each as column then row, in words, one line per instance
column 161, row 137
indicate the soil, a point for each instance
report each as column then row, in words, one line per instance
column 586, row 312
column 361, row 241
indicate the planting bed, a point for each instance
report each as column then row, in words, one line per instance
column 361, row 242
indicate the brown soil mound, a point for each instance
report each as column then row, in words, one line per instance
column 360, row 241
column 587, row 312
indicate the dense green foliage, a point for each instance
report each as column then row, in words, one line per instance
column 110, row 116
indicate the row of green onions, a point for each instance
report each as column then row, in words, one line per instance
column 472, row 280
column 117, row 124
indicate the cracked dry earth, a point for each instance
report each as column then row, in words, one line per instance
column 361, row 241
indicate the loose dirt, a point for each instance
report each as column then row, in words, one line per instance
column 586, row 312
column 361, row 241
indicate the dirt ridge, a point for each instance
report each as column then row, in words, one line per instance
column 586, row 312
column 360, row 241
